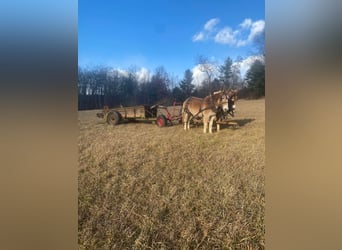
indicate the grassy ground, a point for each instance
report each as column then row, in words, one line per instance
column 145, row 187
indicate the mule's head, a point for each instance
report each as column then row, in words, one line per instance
column 220, row 100
column 224, row 102
column 217, row 97
column 231, row 98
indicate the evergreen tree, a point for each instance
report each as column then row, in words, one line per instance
column 216, row 85
column 186, row 85
column 177, row 94
column 226, row 73
column 255, row 77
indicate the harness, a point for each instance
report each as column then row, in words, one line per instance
column 211, row 106
column 221, row 114
column 230, row 104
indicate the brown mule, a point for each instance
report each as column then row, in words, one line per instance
column 205, row 108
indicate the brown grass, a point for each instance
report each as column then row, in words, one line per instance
column 145, row 187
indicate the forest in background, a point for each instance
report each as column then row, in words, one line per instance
column 104, row 86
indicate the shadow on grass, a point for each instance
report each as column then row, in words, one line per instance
column 138, row 121
column 132, row 121
column 236, row 123
column 150, row 121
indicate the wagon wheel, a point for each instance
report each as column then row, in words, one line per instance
column 113, row 118
column 161, row 121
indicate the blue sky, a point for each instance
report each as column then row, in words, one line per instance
column 169, row 33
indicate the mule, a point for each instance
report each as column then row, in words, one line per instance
column 204, row 108
column 224, row 112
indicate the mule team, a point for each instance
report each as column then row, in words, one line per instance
column 215, row 107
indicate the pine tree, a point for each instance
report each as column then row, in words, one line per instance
column 226, row 73
column 186, row 85
column 255, row 77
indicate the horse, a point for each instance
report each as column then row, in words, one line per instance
column 205, row 108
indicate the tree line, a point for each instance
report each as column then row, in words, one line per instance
column 103, row 86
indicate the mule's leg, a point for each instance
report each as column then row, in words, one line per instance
column 205, row 124
column 185, row 120
column 211, row 124
column 188, row 123
column 218, row 127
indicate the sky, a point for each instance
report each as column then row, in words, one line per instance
column 146, row 34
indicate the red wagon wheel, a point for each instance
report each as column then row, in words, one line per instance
column 161, row 121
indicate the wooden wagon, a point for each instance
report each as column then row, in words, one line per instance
column 161, row 115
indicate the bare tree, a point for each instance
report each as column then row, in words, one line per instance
column 209, row 67
column 236, row 76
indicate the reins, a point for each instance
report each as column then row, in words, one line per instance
column 212, row 106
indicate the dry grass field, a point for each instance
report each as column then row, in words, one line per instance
column 145, row 187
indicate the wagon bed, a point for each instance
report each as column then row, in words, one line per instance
column 161, row 114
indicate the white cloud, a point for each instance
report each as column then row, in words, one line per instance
column 211, row 24
column 226, row 36
column 241, row 43
column 208, row 28
column 143, row 75
column 245, row 34
column 198, row 76
column 245, row 64
column 117, row 73
column 246, row 23
column 122, row 72
column 198, row 37
column 256, row 29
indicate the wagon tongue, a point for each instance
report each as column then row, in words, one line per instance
column 100, row 115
